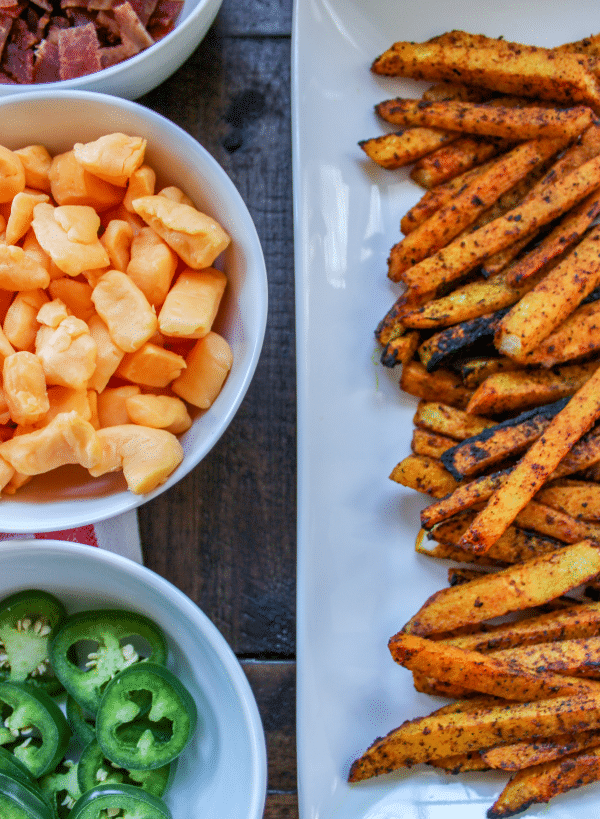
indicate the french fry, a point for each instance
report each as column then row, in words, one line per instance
column 426, row 475
column 534, row 468
column 447, row 222
column 555, row 523
column 585, row 454
column 487, row 673
column 442, row 347
column 577, row 337
column 518, row 587
column 580, row 499
column 448, row 420
column 552, row 299
column 442, row 385
column 429, row 443
column 504, row 440
column 445, row 551
column 540, row 783
column 529, row 72
column 401, row 349
column 461, row 155
column 474, row 371
column 461, row 763
column 513, row 124
column 462, row 255
column 458, row 575
column 463, row 497
column 519, row 390
column 578, row 620
column 400, row 148
column 426, row 738
column 577, row 657
column 519, row 755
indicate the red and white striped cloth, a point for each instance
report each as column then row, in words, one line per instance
column 119, row 534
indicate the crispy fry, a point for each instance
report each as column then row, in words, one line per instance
column 436, row 736
column 580, row 499
column 458, row 575
column 400, row 148
column 552, row 299
column 444, row 551
column 519, row 587
column 401, row 349
column 519, row 755
column 522, row 389
column 529, row 72
column 552, row 522
column 578, row 336
column 487, row 673
column 538, row 463
column 442, row 385
column 461, row 763
column 424, row 474
column 474, row 371
column 463, row 497
column 447, row 420
column 541, row 782
column 429, row 443
column 486, row 119
column 461, row 155
column 464, row 254
column 495, row 444
column 442, row 347
column 577, row 657
column 466, row 206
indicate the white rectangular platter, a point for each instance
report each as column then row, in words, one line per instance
column 359, row 579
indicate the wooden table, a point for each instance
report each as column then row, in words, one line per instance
column 226, row 535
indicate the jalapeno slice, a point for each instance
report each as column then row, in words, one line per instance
column 61, row 788
column 171, row 717
column 33, row 727
column 132, row 802
column 82, row 725
column 20, row 802
column 106, row 640
column 28, row 620
column 95, row 768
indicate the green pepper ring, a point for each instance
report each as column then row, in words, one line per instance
column 92, row 760
column 32, row 605
column 104, row 797
column 22, row 801
column 170, row 700
column 86, row 685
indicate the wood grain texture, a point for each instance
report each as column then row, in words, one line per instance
column 226, row 534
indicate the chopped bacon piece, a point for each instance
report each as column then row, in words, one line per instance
column 164, row 17
column 111, row 55
column 17, row 61
column 143, row 9
column 130, row 26
column 46, row 67
column 5, row 27
column 78, row 51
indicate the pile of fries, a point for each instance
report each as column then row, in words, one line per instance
column 497, row 332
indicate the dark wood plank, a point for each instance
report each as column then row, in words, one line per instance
column 226, row 534
column 255, row 17
column 281, row 806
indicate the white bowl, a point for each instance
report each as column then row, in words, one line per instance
column 222, row 773
column 143, row 72
column 68, row 497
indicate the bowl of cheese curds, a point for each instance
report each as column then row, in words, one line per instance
column 133, row 300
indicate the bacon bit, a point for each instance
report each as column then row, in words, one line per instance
column 131, row 27
column 78, row 51
column 144, row 9
column 46, row 67
column 164, row 17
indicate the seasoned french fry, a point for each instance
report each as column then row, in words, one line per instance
column 462, row 255
column 552, row 299
column 474, row 371
column 516, row 588
column 538, row 463
column 447, row 420
column 461, row 155
column 463, row 497
column 401, row 349
column 442, row 735
column 540, row 783
column 400, row 148
column 458, row 575
column 577, row 657
column 495, row 444
column 486, row 119
column 578, row 336
column 522, row 389
column 553, row 522
column 519, row 755
column 444, row 551
column 487, row 673
column 529, row 71
column 580, row 499
column 442, row 347
column 442, row 385
column 461, row 763
column 429, row 443
column 466, row 206
column 423, row 474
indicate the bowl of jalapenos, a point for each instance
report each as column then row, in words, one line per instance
column 118, row 697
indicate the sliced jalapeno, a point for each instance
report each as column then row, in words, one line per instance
column 61, row 788
column 28, row 620
column 33, row 727
column 171, row 717
column 95, row 768
column 17, row 801
column 110, row 800
column 106, row 639
column 82, row 725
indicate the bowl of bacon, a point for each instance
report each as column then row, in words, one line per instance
column 133, row 300
column 121, row 47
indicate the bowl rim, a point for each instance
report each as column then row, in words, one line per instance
column 129, row 500
column 130, row 63
column 217, row 642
